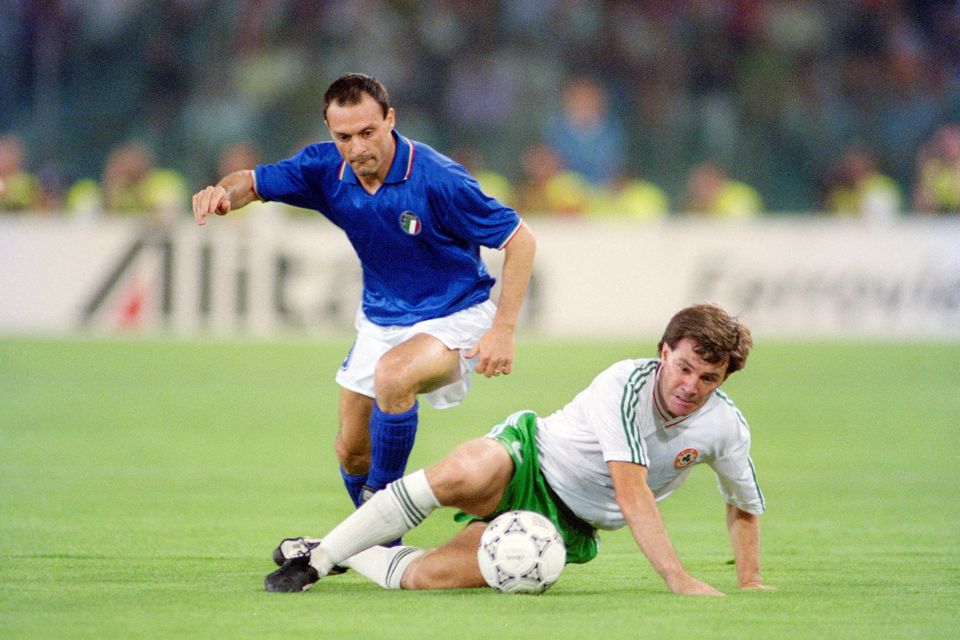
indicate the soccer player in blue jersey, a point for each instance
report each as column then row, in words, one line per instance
column 417, row 221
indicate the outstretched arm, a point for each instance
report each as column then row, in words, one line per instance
column 640, row 509
column 234, row 190
column 496, row 348
column 744, row 530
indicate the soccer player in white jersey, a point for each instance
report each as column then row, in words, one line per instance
column 601, row 462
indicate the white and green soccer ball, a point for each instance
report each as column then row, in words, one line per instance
column 521, row 552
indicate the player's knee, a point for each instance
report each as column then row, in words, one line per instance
column 392, row 380
column 473, row 477
column 455, row 482
column 354, row 460
column 452, row 478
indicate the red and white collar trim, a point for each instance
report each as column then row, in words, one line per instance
column 406, row 174
column 408, row 170
column 668, row 420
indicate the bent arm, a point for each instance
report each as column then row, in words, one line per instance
column 744, row 530
column 517, row 269
column 640, row 510
column 496, row 348
column 235, row 190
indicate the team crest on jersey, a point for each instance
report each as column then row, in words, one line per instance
column 410, row 223
column 686, row 458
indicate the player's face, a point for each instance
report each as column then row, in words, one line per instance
column 363, row 136
column 686, row 379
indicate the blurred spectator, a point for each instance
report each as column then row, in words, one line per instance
column 124, row 176
column 859, row 189
column 710, row 192
column 938, row 173
column 775, row 85
column 548, row 188
column 237, row 157
column 494, row 184
column 131, row 185
column 585, row 134
column 633, row 198
column 21, row 190
column 84, row 199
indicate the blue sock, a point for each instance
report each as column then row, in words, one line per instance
column 391, row 440
column 354, row 485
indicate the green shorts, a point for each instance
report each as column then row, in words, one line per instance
column 529, row 491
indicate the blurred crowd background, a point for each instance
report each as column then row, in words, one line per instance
column 643, row 108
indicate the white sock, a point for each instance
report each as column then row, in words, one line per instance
column 389, row 514
column 383, row 565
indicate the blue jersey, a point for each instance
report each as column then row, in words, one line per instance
column 418, row 238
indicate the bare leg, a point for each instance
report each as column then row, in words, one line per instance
column 353, row 439
column 419, row 365
column 450, row 566
column 374, row 442
column 353, row 442
column 472, row 477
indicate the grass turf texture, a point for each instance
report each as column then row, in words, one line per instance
column 144, row 484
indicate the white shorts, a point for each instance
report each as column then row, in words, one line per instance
column 461, row 331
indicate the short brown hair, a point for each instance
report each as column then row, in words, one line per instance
column 718, row 336
column 349, row 88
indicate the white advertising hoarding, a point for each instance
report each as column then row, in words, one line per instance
column 265, row 274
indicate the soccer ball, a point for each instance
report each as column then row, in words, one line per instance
column 521, row 552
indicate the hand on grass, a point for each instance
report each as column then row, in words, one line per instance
column 687, row 585
column 757, row 586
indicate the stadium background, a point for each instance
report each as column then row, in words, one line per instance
column 149, row 461
column 763, row 114
column 774, row 91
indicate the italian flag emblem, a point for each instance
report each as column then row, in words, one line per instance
column 410, row 223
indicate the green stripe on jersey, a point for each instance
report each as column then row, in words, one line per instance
column 753, row 473
column 628, row 412
column 723, row 396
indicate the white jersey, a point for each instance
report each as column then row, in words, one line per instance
column 620, row 417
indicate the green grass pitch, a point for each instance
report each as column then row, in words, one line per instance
column 143, row 485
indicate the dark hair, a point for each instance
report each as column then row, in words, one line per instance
column 718, row 336
column 349, row 88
